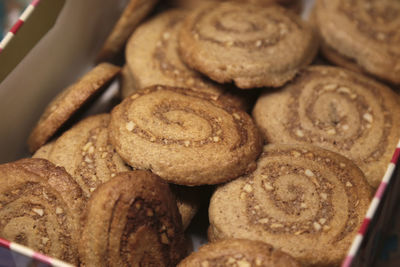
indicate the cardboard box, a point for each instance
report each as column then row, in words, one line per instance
column 55, row 43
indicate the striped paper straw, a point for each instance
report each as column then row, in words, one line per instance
column 355, row 246
column 14, row 29
column 32, row 254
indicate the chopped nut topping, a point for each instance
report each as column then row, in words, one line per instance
column 166, row 35
column 164, row 239
column 92, row 189
column 276, row 225
column 331, row 131
column 134, row 96
column 309, row 173
column 231, row 260
column 330, row 87
column 326, row 227
column 91, row 150
column 342, row 165
column 299, row 133
column 295, row 154
column 87, row 145
column 258, row 43
column 268, row 186
column 186, row 143
column 368, row 117
column 152, row 139
column 317, row 226
column 216, row 138
column 45, row 240
column 149, row 213
column 345, row 127
column 263, row 220
column 229, row 43
column 248, row 188
column 104, row 155
column 348, row 184
column 242, row 195
column 243, row 263
column 40, row 212
column 130, row 126
column 324, row 196
column 322, row 220
column 59, row 210
column 344, row 89
column 303, row 205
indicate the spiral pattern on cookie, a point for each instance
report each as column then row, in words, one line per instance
column 86, row 153
column 378, row 19
column 232, row 42
column 182, row 137
column 297, row 196
column 152, row 56
column 132, row 220
column 338, row 110
column 40, row 207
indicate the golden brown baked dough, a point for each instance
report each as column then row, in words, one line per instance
column 306, row 201
column 68, row 102
column 183, row 138
column 40, row 207
column 338, row 110
column 249, row 45
column 132, row 220
column 364, row 31
column 238, row 252
column 86, row 153
column 133, row 14
column 152, row 57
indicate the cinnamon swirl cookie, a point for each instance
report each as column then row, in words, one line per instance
column 152, row 56
column 293, row 4
column 40, row 207
column 68, row 102
column 338, row 110
column 86, row 153
column 133, row 14
column 247, row 44
column 132, row 220
column 362, row 32
column 183, row 137
column 238, row 252
column 306, row 201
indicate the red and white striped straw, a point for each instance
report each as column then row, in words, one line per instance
column 14, row 29
column 32, row 254
column 355, row 246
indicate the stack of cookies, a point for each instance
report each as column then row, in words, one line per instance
column 216, row 93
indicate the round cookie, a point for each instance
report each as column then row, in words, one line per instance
column 86, row 153
column 184, row 138
column 68, row 102
column 40, row 207
column 133, row 14
column 306, row 201
column 152, row 56
column 364, row 32
column 238, row 252
column 132, row 220
column 247, row 44
column 338, row 110
column 293, row 4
